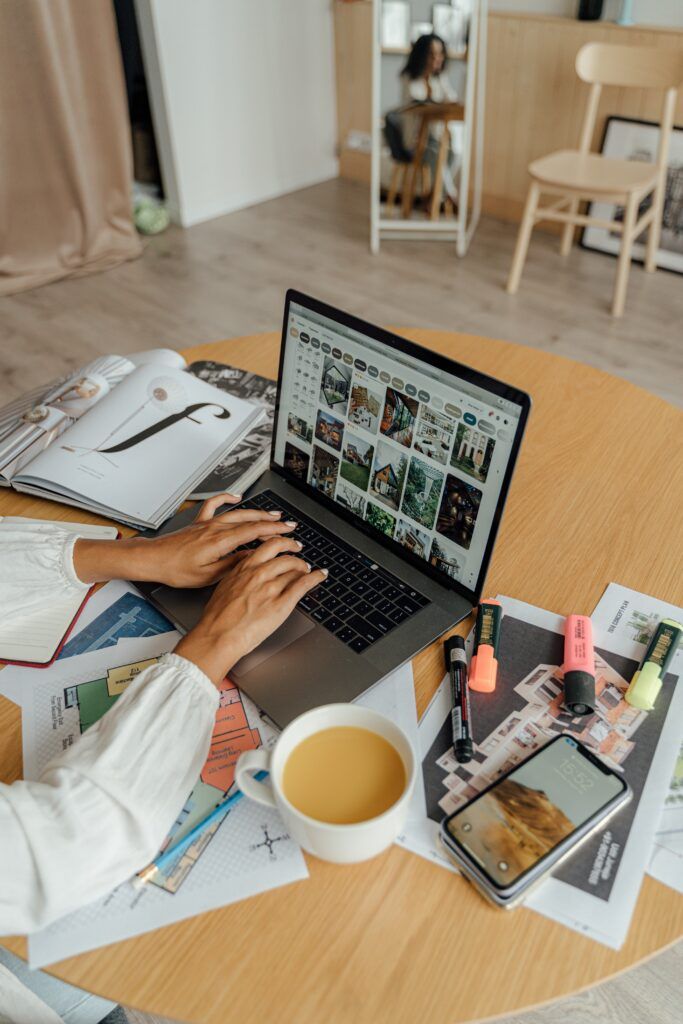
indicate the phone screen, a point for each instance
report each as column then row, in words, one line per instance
column 523, row 817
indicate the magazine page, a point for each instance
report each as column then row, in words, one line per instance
column 630, row 618
column 239, row 467
column 142, row 446
column 159, row 357
column 31, row 423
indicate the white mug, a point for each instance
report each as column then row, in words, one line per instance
column 342, row 844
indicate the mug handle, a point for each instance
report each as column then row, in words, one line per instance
column 254, row 761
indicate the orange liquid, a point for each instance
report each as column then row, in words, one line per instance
column 344, row 775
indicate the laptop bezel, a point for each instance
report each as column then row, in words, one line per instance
column 491, row 384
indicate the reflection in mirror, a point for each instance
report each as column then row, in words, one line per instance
column 425, row 67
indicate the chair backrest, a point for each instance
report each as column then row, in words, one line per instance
column 393, row 133
column 643, row 67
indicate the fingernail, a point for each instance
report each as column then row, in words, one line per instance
column 275, row 515
column 290, row 522
column 298, row 544
column 325, row 572
column 237, row 497
column 308, row 566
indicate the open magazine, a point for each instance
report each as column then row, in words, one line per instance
column 243, row 464
column 126, row 438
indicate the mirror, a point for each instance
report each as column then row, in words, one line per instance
column 427, row 111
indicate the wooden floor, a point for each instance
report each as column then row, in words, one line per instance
column 228, row 277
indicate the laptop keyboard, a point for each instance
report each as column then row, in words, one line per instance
column 360, row 602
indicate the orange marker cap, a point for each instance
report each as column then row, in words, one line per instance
column 484, row 665
column 483, row 670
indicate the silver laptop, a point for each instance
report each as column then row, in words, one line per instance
column 396, row 463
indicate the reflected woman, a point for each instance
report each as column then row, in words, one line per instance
column 424, row 79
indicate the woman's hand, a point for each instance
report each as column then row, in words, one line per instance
column 196, row 556
column 249, row 604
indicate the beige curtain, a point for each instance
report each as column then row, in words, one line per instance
column 65, row 156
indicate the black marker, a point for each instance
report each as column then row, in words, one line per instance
column 461, row 719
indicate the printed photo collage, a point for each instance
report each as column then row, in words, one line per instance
column 413, row 471
column 609, row 732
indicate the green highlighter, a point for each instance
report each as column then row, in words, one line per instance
column 647, row 681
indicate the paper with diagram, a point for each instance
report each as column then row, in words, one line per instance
column 246, row 852
column 629, row 619
column 596, row 890
column 394, row 696
column 115, row 611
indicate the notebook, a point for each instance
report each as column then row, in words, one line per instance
column 37, row 638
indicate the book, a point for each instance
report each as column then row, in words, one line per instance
column 37, row 638
column 242, row 465
column 129, row 439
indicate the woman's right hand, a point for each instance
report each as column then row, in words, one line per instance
column 249, row 604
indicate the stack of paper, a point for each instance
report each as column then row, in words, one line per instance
column 247, row 852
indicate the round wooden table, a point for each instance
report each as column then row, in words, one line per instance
column 595, row 498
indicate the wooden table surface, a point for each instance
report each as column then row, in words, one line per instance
column 597, row 497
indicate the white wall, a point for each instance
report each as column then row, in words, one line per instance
column 242, row 94
column 645, row 12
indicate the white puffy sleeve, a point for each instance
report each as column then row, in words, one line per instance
column 101, row 810
column 447, row 90
column 37, row 562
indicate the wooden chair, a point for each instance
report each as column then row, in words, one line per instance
column 402, row 158
column 429, row 113
column 576, row 174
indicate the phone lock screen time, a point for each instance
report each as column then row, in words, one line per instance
column 511, row 827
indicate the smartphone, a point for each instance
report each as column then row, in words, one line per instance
column 511, row 836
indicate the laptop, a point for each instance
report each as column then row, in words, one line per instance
column 395, row 462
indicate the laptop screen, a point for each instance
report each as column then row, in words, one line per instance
column 417, row 453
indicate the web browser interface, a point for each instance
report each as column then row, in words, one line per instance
column 418, row 453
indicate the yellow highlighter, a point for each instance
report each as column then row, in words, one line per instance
column 647, row 681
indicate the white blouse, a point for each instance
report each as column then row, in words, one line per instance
column 101, row 809
column 438, row 89
column 36, row 567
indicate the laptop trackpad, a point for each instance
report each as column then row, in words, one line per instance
column 295, row 627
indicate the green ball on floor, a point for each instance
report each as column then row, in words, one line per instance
column 150, row 218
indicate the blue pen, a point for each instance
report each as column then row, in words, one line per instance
column 176, row 851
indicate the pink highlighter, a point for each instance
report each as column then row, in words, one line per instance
column 579, row 665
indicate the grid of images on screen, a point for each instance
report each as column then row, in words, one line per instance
column 410, row 465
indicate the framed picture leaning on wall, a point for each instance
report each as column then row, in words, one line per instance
column 395, row 30
column 451, row 22
column 630, row 139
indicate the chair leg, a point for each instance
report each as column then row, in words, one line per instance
column 624, row 264
column 438, row 176
column 568, row 231
column 654, row 231
column 393, row 188
column 402, row 179
column 412, row 171
column 523, row 237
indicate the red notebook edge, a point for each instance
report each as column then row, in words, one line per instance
column 62, row 642
column 46, row 664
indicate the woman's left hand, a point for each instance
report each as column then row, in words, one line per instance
column 196, row 556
